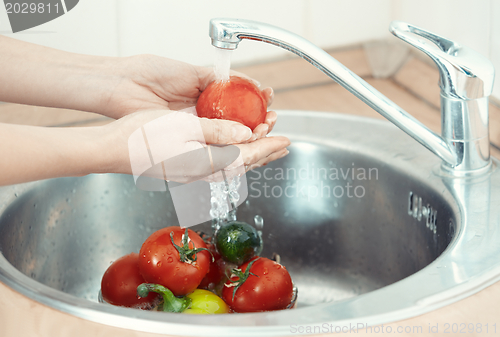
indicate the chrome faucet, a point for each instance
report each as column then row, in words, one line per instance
column 466, row 81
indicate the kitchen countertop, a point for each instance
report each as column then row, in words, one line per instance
column 297, row 85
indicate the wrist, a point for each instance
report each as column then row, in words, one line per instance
column 93, row 85
column 104, row 150
column 85, row 151
column 109, row 148
column 35, row 153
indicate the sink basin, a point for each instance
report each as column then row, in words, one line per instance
column 368, row 226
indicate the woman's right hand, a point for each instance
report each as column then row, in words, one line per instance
column 172, row 136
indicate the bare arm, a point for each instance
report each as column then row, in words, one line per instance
column 32, row 153
column 111, row 86
column 115, row 87
column 37, row 75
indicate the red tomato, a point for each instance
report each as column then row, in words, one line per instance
column 119, row 283
column 215, row 271
column 237, row 99
column 269, row 288
column 160, row 260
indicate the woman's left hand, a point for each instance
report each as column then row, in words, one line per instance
column 153, row 82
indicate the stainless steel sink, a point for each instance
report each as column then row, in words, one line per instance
column 402, row 240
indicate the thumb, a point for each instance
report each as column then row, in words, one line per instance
column 218, row 131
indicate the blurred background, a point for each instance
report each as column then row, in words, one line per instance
column 179, row 29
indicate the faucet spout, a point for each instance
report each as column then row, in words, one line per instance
column 228, row 33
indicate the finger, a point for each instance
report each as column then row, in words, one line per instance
column 181, row 105
column 260, row 131
column 262, row 148
column 237, row 168
column 218, row 131
column 268, row 95
column 224, row 156
column 271, row 119
column 202, row 163
column 263, row 129
column 272, row 157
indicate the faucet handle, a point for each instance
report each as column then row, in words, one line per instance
column 464, row 73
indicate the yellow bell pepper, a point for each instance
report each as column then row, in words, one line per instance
column 198, row 302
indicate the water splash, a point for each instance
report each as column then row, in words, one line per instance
column 259, row 222
column 223, row 194
column 222, row 64
column 259, row 225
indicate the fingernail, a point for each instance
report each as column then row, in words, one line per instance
column 241, row 133
column 254, row 137
column 284, row 154
column 271, row 97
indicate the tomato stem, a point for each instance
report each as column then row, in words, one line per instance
column 170, row 302
column 185, row 253
column 242, row 276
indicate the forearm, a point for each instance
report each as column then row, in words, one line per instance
column 37, row 75
column 31, row 153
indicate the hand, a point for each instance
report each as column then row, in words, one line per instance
column 34, row 153
column 114, row 87
column 171, row 135
column 152, row 82
column 111, row 86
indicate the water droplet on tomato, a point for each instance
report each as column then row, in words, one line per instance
column 266, row 271
column 170, row 259
column 149, row 261
column 158, row 264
